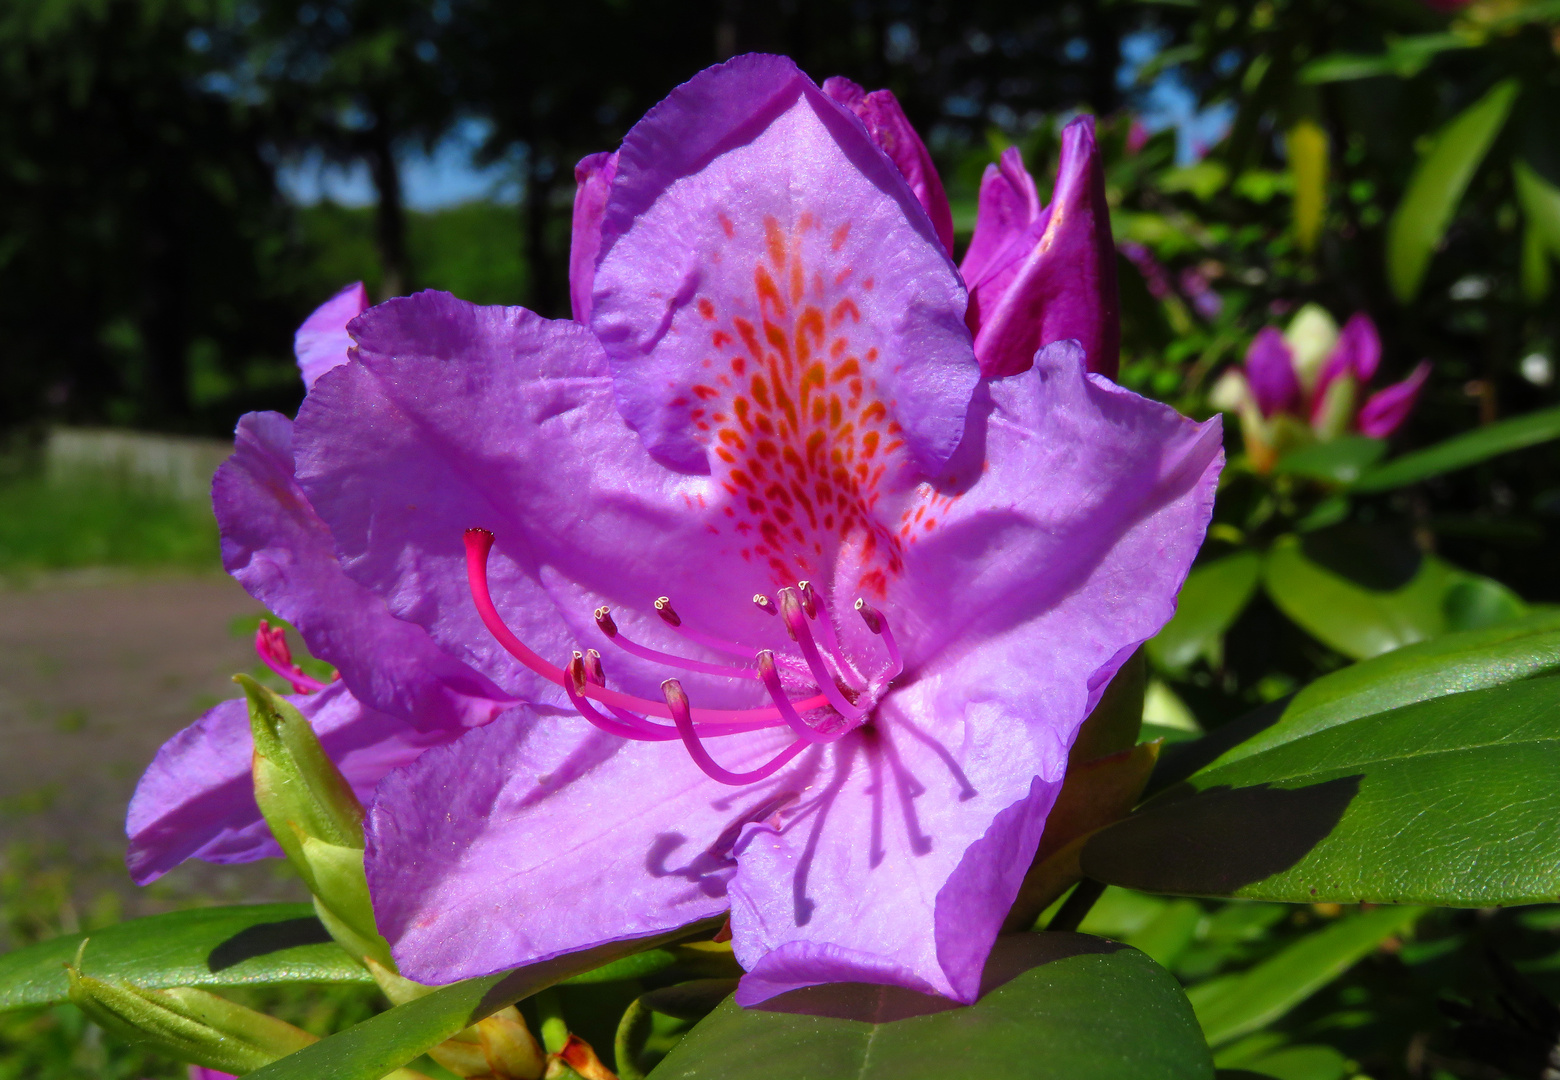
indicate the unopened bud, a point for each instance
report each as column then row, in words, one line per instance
column 315, row 818
column 185, row 1024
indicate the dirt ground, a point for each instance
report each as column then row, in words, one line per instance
column 94, row 675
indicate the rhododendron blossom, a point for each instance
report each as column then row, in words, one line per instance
column 806, row 605
column 1303, row 385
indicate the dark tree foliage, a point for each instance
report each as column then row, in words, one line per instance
column 140, row 232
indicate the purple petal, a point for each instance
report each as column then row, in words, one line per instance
column 592, row 178
column 537, row 836
column 282, row 553
column 891, row 129
column 758, row 248
column 197, row 799
column 1065, row 286
column 1386, row 409
column 1270, row 370
column 1060, row 548
column 1357, row 353
column 321, row 343
column 1009, row 209
column 459, row 416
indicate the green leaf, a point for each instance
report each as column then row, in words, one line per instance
column 1451, row 664
column 1339, row 461
column 1405, row 57
column 1450, row 801
column 1356, row 620
column 1262, row 994
column 1540, row 203
column 380, row 1044
column 1437, row 186
column 1063, row 1006
column 248, row 945
column 1460, row 451
column 1213, row 596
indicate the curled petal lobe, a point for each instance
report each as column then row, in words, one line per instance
column 892, row 131
column 321, row 343
column 197, row 800
column 592, row 178
column 1270, row 372
column 1386, row 409
column 1009, row 208
column 1065, row 286
column 759, row 251
column 281, row 552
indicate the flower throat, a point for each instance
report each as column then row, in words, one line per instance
column 626, row 716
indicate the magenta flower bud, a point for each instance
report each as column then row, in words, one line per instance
column 891, row 130
column 1038, row 276
column 1270, row 370
column 1386, row 409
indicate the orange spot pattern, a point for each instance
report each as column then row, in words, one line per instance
column 801, row 442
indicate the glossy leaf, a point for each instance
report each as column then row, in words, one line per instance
column 1540, row 204
column 385, row 1042
column 1258, row 996
column 1452, row 664
column 1450, row 801
column 1212, row 598
column 1437, row 186
column 1356, row 620
column 1341, row 460
column 248, row 945
column 1062, row 1006
column 1458, row 452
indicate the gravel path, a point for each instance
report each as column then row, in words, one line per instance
column 93, row 678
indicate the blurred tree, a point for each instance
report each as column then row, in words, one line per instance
column 139, row 227
column 356, row 80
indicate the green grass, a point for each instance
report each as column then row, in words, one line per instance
column 99, row 521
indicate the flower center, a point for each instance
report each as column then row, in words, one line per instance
column 845, row 705
column 271, row 647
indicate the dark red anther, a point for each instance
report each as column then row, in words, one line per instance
column 663, row 608
column 604, row 620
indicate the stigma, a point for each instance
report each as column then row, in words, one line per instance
column 843, row 696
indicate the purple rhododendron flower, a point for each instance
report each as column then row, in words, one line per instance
column 397, row 695
column 854, row 598
column 1042, row 274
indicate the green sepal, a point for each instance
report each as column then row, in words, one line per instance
column 187, row 1024
column 341, row 898
column 295, row 780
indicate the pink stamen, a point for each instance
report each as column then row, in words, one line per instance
column 644, row 652
column 796, row 623
column 597, row 675
column 663, row 608
column 271, row 646
column 479, row 545
column 634, row 732
column 771, row 676
column 682, row 716
column 879, row 626
column 812, row 603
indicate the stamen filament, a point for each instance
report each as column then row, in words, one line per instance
column 479, row 544
column 644, row 652
column 271, row 647
column 878, row 624
column 682, row 716
column 771, row 676
column 796, row 623
column 818, row 611
column 633, row 732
